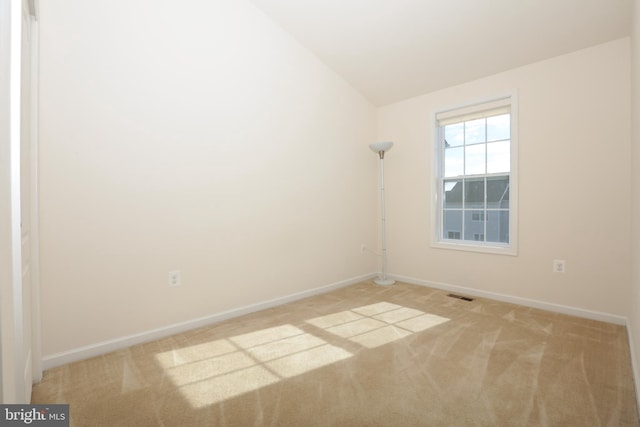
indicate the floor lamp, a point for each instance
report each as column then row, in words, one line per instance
column 380, row 148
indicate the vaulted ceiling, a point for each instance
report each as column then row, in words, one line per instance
column 395, row 49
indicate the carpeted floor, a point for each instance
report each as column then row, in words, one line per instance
column 364, row 355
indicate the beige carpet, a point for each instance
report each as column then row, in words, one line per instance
column 364, row 355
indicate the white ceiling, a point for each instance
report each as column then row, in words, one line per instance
column 395, row 49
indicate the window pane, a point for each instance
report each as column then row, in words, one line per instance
column 474, row 159
column 474, row 193
column 499, row 157
column 473, row 230
column 498, row 192
column 474, row 131
column 498, row 226
column 453, row 193
column 453, row 162
column 452, row 225
column 454, row 135
column 499, row 127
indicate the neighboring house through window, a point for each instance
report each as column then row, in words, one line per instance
column 475, row 180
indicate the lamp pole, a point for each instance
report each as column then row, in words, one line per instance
column 381, row 148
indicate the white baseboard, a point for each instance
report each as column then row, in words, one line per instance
column 556, row 308
column 58, row 359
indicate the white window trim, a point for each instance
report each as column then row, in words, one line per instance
column 436, row 208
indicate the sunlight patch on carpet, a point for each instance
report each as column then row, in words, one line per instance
column 334, row 319
column 356, row 327
column 380, row 336
column 208, row 368
column 211, row 372
column 299, row 363
column 377, row 324
column 264, row 336
column 194, row 353
column 219, row 388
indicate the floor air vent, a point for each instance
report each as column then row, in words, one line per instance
column 460, row 297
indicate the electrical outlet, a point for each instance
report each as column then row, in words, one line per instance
column 559, row 266
column 174, row 279
column 363, row 248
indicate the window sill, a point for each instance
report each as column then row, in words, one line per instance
column 482, row 248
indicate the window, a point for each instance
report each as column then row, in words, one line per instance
column 478, row 216
column 475, row 179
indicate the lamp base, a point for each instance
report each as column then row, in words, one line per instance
column 384, row 282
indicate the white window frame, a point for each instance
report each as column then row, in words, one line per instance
column 437, row 227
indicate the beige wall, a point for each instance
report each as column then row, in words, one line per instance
column 197, row 136
column 635, row 186
column 574, row 175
